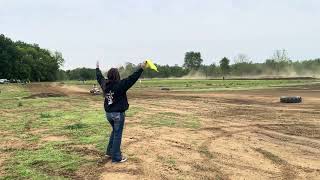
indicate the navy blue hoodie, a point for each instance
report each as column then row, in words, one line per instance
column 116, row 91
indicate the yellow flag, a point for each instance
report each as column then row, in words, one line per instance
column 151, row 65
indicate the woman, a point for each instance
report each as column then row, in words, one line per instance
column 115, row 105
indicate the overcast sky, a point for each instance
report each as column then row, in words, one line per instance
column 115, row 32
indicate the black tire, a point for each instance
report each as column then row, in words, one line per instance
column 290, row 99
column 165, row 89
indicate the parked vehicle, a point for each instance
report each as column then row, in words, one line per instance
column 3, row 81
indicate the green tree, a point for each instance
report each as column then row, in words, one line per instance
column 62, row 75
column 58, row 58
column 242, row 66
column 224, row 66
column 19, row 60
column 8, row 56
column 192, row 60
column 81, row 74
column 280, row 61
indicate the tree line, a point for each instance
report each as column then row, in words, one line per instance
column 19, row 60
column 278, row 65
column 28, row 62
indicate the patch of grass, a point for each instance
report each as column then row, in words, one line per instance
column 31, row 138
column 213, row 85
column 100, row 141
column 191, row 122
column 205, row 151
column 16, row 124
column 9, row 104
column 85, row 127
column 168, row 160
column 219, row 177
column 274, row 158
column 76, row 126
column 133, row 111
column 42, row 164
column 9, row 91
column 51, row 114
column 20, row 104
column 209, row 84
column 61, row 116
column 161, row 121
column 27, row 124
column 45, row 115
column 172, row 162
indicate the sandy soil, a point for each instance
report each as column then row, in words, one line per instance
column 243, row 135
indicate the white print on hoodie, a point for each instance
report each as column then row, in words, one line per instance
column 109, row 97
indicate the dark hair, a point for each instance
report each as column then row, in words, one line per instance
column 113, row 75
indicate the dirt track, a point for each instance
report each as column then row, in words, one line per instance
column 55, row 90
column 242, row 135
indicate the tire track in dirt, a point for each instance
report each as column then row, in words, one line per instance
column 134, row 168
column 304, row 141
column 287, row 170
column 261, row 129
column 207, row 157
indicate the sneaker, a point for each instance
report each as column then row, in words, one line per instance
column 124, row 159
column 107, row 156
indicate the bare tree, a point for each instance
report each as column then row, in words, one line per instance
column 280, row 56
column 241, row 58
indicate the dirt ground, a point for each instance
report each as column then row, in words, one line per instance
column 242, row 134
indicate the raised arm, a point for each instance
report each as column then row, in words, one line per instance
column 101, row 80
column 128, row 82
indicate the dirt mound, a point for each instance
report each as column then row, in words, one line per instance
column 44, row 90
column 73, row 89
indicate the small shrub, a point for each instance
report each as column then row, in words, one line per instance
column 19, row 104
column 76, row 126
column 45, row 115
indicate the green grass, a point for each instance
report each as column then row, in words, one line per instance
column 205, row 151
column 71, row 117
column 44, row 163
column 274, row 158
column 169, row 160
column 76, row 126
column 208, row 85
column 11, row 91
column 199, row 85
column 133, row 110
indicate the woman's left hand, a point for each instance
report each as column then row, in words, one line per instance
column 143, row 65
